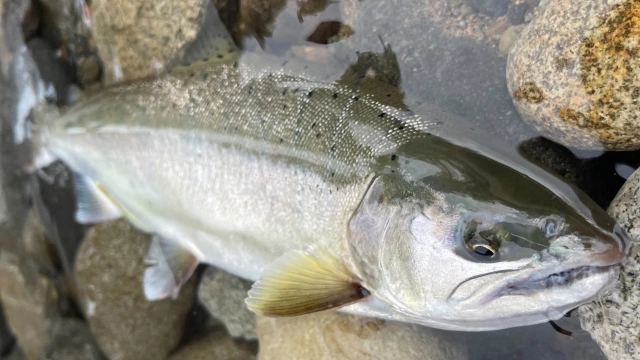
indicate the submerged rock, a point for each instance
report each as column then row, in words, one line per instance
column 109, row 269
column 223, row 294
column 613, row 319
column 490, row 7
column 334, row 335
column 217, row 345
column 574, row 73
column 138, row 38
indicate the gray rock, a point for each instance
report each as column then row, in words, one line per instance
column 217, row 345
column 223, row 294
column 71, row 340
column 613, row 319
column 15, row 354
column 109, row 269
column 493, row 8
column 567, row 78
column 334, row 335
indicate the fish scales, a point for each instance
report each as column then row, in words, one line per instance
column 270, row 163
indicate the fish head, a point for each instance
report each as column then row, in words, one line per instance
column 460, row 260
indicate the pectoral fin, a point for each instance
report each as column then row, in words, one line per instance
column 302, row 283
column 170, row 267
column 93, row 204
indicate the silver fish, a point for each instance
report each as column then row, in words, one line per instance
column 328, row 198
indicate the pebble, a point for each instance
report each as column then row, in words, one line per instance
column 509, row 38
column 335, row 335
column 613, row 319
column 574, row 74
column 109, row 268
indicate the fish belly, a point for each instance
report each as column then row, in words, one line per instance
column 230, row 205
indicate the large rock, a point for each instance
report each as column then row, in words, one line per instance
column 574, row 73
column 217, row 345
column 334, row 335
column 223, row 294
column 137, row 38
column 613, row 319
column 109, row 269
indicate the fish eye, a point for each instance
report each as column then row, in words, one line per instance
column 482, row 243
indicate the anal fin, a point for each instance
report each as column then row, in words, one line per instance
column 171, row 265
column 301, row 283
column 93, row 204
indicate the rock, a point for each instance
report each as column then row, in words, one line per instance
column 31, row 20
column 493, row 8
column 109, row 269
column 217, row 345
column 138, row 38
column 223, row 294
column 509, row 37
column 29, row 302
column 71, row 340
column 613, row 319
column 516, row 12
column 574, row 73
column 333, row 335
column 15, row 354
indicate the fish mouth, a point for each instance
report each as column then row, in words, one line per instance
column 562, row 279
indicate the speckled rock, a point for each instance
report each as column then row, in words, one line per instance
column 574, row 74
column 109, row 269
column 334, row 335
column 217, row 345
column 71, row 340
column 223, row 294
column 137, row 38
column 613, row 319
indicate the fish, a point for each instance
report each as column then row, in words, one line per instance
column 328, row 198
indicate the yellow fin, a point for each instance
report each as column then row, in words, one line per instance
column 302, row 283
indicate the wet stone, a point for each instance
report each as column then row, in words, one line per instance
column 217, row 345
column 139, row 38
column 71, row 340
column 57, row 75
column 223, row 294
column 613, row 318
column 574, row 73
column 509, row 37
column 6, row 338
column 334, row 335
column 109, row 269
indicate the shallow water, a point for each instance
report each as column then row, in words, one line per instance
column 440, row 61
